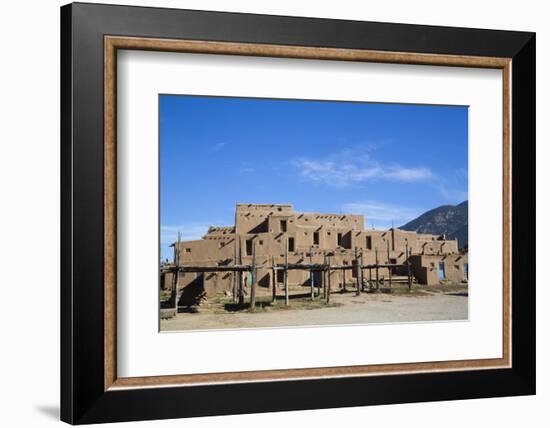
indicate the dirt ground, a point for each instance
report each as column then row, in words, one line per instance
column 343, row 309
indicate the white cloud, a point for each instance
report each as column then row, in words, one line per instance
column 381, row 214
column 347, row 168
column 217, row 147
column 189, row 232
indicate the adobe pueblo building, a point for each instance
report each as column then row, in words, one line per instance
column 274, row 247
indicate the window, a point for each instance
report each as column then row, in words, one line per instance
column 369, row 242
column 249, row 247
column 283, row 225
column 261, row 242
column 188, row 250
column 291, row 244
column 280, row 276
column 315, row 238
column 441, row 270
column 339, row 240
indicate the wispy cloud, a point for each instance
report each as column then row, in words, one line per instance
column 453, row 186
column 189, row 232
column 451, row 194
column 217, row 147
column 381, row 214
column 347, row 168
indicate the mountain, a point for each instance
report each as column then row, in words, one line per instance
column 451, row 220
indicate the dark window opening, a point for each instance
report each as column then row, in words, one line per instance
column 291, row 244
column 249, row 247
column 315, row 238
column 442, row 270
column 283, row 225
column 369, row 243
column 339, row 240
column 280, row 276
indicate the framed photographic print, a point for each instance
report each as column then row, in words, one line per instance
column 266, row 213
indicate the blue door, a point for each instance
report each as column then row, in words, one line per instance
column 441, row 270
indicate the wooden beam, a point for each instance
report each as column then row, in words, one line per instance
column 176, row 273
column 389, row 269
column 253, row 279
column 235, row 274
column 358, row 290
column 286, row 274
column 361, row 270
column 273, row 280
column 377, row 277
column 240, row 287
column 328, row 283
column 325, row 275
column 311, row 274
column 409, row 278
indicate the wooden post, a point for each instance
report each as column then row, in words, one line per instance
column 253, row 279
column 370, row 278
column 344, row 279
column 407, row 255
column 176, row 273
column 390, row 268
column 358, row 291
column 286, row 274
column 311, row 274
column 240, row 287
column 273, row 280
column 324, row 275
column 377, row 277
column 235, row 291
column 361, row 270
column 328, row 282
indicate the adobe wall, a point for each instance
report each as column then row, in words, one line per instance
column 268, row 229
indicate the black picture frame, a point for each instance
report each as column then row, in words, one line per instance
column 83, row 398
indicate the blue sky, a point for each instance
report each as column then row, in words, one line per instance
column 390, row 162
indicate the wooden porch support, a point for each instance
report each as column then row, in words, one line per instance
column 253, row 279
column 328, row 282
column 358, row 290
column 311, row 275
column 273, row 280
column 377, row 276
column 286, row 274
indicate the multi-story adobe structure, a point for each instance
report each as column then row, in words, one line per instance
column 267, row 231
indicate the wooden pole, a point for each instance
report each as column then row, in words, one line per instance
column 361, row 270
column 311, row 274
column 253, row 279
column 358, row 291
column 389, row 269
column 176, row 273
column 344, row 279
column 273, row 280
column 409, row 278
column 235, row 291
column 286, row 274
column 370, row 278
column 324, row 276
column 328, row 282
column 240, row 287
column 377, row 277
